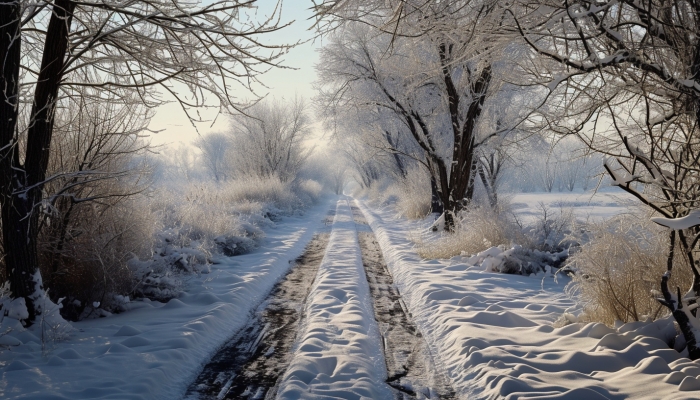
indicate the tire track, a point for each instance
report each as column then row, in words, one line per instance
column 250, row 364
column 410, row 368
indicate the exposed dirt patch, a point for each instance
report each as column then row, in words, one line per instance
column 250, row 364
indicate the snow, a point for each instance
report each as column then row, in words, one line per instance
column 495, row 335
column 339, row 354
column 591, row 206
column 154, row 350
column 689, row 221
column 620, row 177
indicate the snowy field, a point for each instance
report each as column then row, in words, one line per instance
column 154, row 350
column 586, row 206
column 496, row 335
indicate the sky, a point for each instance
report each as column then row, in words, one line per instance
column 172, row 126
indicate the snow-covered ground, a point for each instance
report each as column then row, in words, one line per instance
column 586, row 206
column 155, row 350
column 494, row 335
column 339, row 354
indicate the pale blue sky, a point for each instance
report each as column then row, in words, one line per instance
column 282, row 83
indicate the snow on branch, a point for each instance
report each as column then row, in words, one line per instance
column 689, row 221
column 620, row 177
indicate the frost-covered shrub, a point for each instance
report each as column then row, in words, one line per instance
column 161, row 277
column 477, row 229
column 197, row 223
column 552, row 231
column 91, row 264
column 516, row 260
column 410, row 195
column 617, row 271
column 276, row 196
column 378, row 191
column 308, row 191
column 495, row 240
column 413, row 193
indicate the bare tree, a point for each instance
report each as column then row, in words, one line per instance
column 491, row 166
column 370, row 163
column 624, row 76
column 183, row 162
column 269, row 140
column 426, row 84
column 109, row 48
column 546, row 171
column 214, row 148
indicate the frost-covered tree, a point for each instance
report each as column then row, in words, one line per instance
column 182, row 163
column 50, row 49
column 270, row 140
column 435, row 86
column 492, row 162
column 438, row 66
column 213, row 149
column 624, row 77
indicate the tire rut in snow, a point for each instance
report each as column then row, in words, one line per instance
column 249, row 365
column 410, row 368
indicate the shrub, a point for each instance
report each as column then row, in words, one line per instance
column 410, row 194
column 413, row 193
column 552, row 231
column 495, row 240
column 478, row 228
column 91, row 265
column 308, row 191
column 617, row 271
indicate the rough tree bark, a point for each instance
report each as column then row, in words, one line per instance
column 21, row 185
column 459, row 190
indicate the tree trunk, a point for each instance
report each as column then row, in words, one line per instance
column 397, row 159
column 460, row 187
column 15, row 228
column 435, row 203
column 490, row 192
column 463, row 172
column 23, row 195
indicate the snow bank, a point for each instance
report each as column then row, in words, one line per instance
column 493, row 335
column 339, row 353
column 155, row 349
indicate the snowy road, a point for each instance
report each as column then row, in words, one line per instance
column 410, row 365
column 250, row 364
column 155, row 350
column 353, row 337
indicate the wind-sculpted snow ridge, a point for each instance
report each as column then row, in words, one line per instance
column 154, row 350
column 493, row 333
column 339, row 353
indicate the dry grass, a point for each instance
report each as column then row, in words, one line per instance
column 205, row 212
column 620, row 267
column 92, row 264
column 410, row 194
column 414, row 194
column 478, row 229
